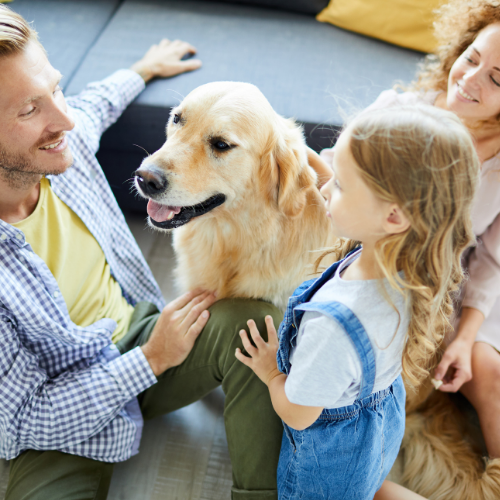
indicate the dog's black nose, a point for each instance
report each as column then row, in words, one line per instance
column 150, row 181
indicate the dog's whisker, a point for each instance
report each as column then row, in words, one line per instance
column 182, row 97
column 142, row 149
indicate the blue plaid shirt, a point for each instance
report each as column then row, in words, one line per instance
column 65, row 387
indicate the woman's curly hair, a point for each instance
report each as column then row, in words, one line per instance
column 457, row 25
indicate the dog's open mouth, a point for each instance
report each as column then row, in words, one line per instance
column 168, row 217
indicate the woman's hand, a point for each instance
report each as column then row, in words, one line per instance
column 164, row 60
column 263, row 355
column 455, row 366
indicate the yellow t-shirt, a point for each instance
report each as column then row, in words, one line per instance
column 77, row 262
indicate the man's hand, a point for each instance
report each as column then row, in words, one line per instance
column 455, row 366
column 176, row 330
column 263, row 356
column 164, row 60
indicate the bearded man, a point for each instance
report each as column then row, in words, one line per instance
column 85, row 353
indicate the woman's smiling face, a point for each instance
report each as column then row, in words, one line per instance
column 474, row 80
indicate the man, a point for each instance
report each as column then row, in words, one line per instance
column 83, row 348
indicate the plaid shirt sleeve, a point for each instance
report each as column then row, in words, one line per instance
column 102, row 103
column 42, row 413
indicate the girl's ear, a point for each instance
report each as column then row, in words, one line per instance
column 396, row 221
column 284, row 172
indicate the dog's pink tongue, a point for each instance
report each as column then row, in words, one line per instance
column 161, row 213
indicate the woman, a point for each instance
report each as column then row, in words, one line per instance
column 464, row 77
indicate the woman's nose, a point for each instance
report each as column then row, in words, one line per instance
column 473, row 76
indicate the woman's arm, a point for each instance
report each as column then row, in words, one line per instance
column 455, row 366
column 393, row 491
column 320, row 166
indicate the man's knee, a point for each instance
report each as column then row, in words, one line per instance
column 229, row 316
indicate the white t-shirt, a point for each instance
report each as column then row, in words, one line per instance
column 325, row 367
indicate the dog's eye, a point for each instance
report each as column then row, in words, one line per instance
column 176, row 119
column 221, row 145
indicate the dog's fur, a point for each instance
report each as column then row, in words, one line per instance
column 443, row 449
column 259, row 243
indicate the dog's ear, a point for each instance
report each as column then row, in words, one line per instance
column 284, row 172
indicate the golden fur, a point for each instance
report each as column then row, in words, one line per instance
column 443, row 452
column 259, row 242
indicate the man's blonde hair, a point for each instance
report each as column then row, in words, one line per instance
column 15, row 32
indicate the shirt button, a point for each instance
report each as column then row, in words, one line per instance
column 56, row 294
column 19, row 236
column 3, row 236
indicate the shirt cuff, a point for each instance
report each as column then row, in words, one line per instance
column 132, row 372
column 129, row 82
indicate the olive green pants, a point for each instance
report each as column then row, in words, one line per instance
column 253, row 429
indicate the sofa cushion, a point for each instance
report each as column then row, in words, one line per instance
column 404, row 22
column 311, row 71
column 67, row 28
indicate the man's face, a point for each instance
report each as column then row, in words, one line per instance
column 33, row 118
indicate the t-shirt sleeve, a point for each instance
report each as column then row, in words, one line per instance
column 324, row 363
column 482, row 289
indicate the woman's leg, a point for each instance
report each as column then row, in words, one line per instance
column 393, row 491
column 483, row 391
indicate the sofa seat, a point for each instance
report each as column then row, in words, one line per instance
column 67, row 28
column 311, row 71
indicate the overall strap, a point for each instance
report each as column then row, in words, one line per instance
column 356, row 332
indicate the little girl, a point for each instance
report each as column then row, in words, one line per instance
column 399, row 201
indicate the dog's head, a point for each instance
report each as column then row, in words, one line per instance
column 224, row 144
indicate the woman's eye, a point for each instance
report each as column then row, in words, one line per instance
column 176, row 119
column 336, row 184
column 495, row 82
column 221, row 145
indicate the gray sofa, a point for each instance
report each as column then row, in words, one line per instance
column 308, row 70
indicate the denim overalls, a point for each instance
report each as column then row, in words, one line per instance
column 348, row 451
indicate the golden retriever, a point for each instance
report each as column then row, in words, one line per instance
column 443, row 449
column 233, row 180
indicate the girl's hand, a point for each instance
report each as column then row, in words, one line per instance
column 455, row 366
column 263, row 354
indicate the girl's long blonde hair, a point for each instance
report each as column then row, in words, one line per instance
column 423, row 159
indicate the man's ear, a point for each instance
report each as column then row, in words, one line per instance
column 396, row 221
column 284, row 172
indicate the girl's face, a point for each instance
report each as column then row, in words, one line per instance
column 474, row 80
column 355, row 211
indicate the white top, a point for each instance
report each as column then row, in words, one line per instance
column 325, row 367
column 482, row 289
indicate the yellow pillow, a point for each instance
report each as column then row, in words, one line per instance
column 403, row 22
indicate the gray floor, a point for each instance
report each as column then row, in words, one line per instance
column 184, row 454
